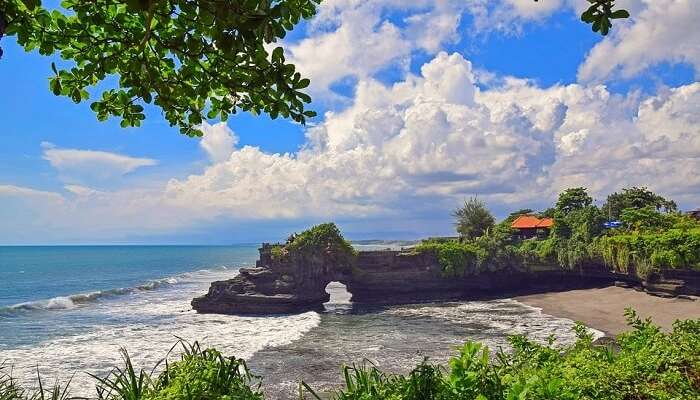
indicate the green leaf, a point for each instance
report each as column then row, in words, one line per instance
column 55, row 85
column 620, row 14
column 32, row 4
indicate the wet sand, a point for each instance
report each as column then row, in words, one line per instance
column 603, row 308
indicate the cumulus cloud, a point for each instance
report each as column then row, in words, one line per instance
column 78, row 164
column 416, row 148
column 660, row 31
column 353, row 39
column 218, row 141
column 435, row 138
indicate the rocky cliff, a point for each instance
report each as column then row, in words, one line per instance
column 287, row 283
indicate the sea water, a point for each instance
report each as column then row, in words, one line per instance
column 67, row 311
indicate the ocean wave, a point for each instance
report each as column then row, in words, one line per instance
column 70, row 302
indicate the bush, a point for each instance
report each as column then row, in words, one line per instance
column 324, row 239
column 648, row 364
column 456, row 259
column 671, row 249
column 206, row 374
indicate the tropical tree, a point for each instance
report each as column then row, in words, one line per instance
column 636, row 198
column 573, row 199
column 194, row 59
column 473, row 218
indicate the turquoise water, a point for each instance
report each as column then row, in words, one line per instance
column 30, row 274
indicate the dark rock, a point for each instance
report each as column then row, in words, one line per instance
column 292, row 282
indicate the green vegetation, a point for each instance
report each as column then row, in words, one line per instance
column 324, row 239
column 192, row 59
column 636, row 198
column 644, row 363
column 199, row 374
column 646, row 252
column 653, row 237
column 473, row 219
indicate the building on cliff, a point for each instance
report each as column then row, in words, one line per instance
column 529, row 226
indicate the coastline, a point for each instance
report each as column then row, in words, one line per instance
column 603, row 308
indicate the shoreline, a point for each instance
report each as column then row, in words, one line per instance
column 603, row 308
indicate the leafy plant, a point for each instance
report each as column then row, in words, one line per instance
column 194, row 59
column 473, row 219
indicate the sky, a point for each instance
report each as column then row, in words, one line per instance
column 421, row 103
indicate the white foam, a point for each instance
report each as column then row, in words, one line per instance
column 161, row 317
column 502, row 318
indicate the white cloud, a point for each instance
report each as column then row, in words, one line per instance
column 77, row 164
column 435, row 138
column 660, row 31
column 8, row 191
column 218, row 141
column 354, row 39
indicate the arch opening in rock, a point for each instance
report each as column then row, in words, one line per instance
column 340, row 298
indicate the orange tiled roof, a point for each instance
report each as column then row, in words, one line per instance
column 530, row 222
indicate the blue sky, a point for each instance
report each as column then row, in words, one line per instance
column 420, row 103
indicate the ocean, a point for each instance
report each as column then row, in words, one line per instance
column 67, row 310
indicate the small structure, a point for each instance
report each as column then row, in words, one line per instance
column 695, row 214
column 529, row 226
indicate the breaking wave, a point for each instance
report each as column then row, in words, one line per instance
column 70, row 302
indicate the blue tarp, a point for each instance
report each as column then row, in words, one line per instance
column 612, row 224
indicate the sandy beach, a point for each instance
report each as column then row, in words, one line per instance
column 603, row 309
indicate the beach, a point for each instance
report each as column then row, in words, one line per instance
column 603, row 308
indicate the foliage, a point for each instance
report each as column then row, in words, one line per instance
column 492, row 251
column 600, row 13
column 206, row 374
column 644, row 218
column 671, row 249
column 10, row 388
column 649, row 364
column 646, row 363
column 573, row 199
column 198, row 375
column 456, row 258
column 473, row 218
column 636, row 198
column 323, row 239
column 194, row 59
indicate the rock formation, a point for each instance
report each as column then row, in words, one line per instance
column 293, row 278
column 297, row 282
column 291, row 283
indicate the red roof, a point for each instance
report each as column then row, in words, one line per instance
column 531, row 222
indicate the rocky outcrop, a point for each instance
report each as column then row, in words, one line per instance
column 291, row 282
column 294, row 283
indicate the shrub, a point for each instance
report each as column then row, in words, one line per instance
column 647, row 364
column 456, row 259
column 671, row 249
column 206, row 374
column 473, row 219
column 324, row 239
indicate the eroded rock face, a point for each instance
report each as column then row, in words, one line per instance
column 289, row 283
column 295, row 282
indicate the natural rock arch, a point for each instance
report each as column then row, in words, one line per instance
column 279, row 283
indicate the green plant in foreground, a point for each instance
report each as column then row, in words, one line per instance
column 645, row 363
